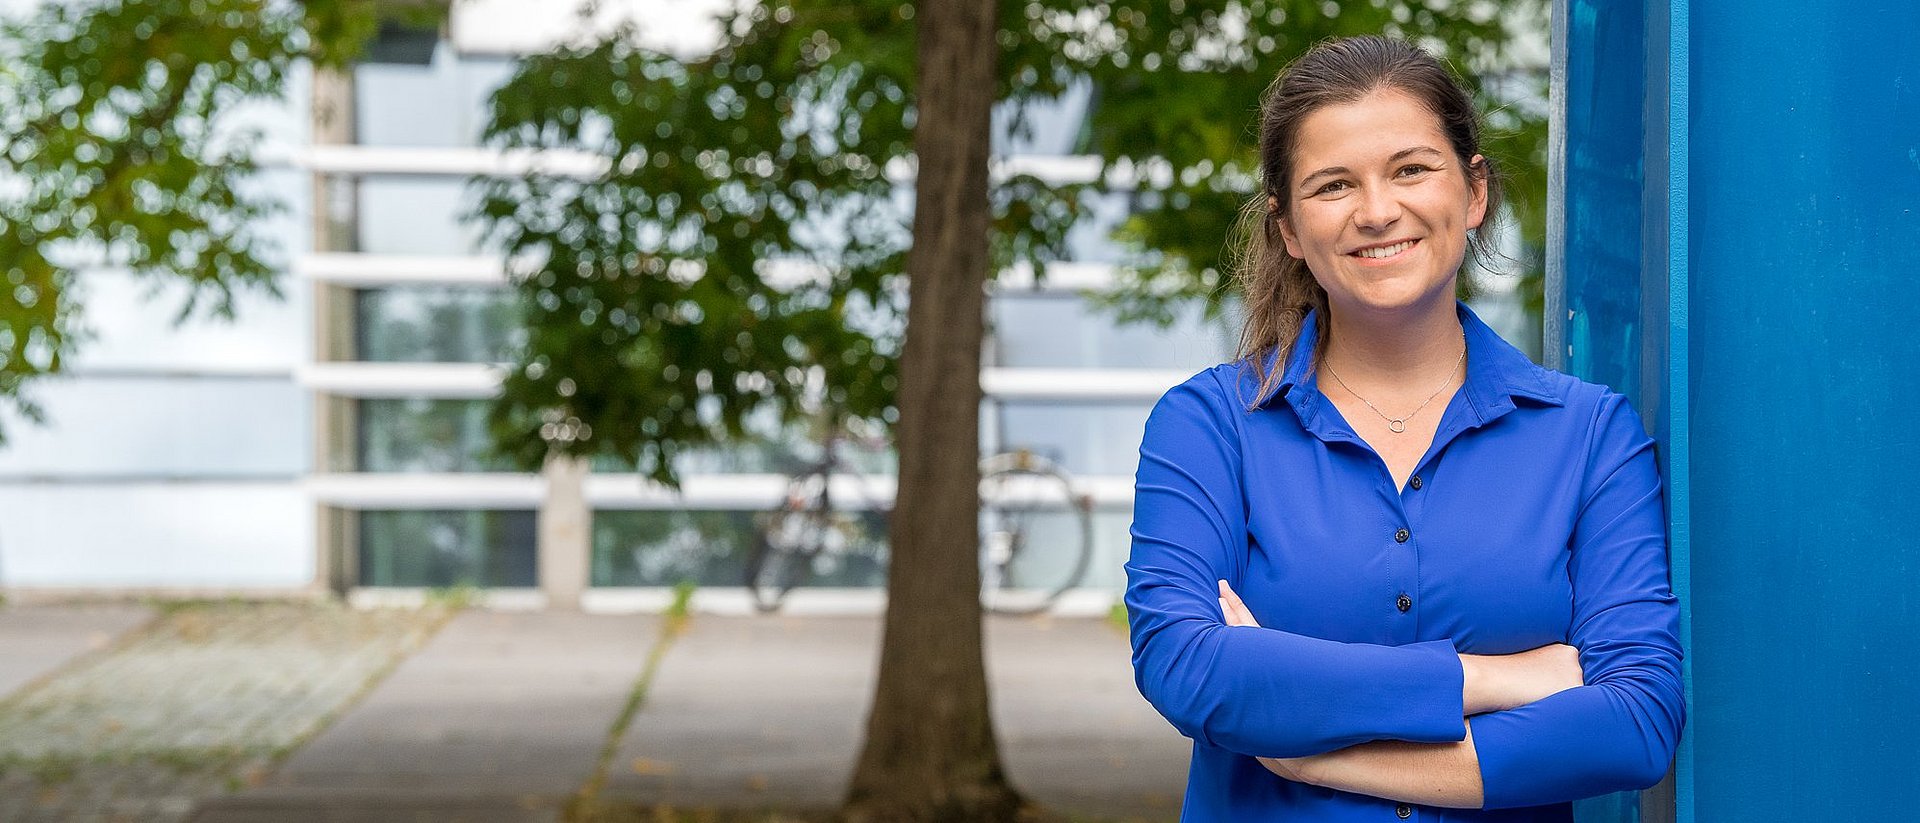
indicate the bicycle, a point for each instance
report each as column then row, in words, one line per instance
column 1015, row 488
column 808, row 534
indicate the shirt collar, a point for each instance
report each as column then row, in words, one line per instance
column 1496, row 371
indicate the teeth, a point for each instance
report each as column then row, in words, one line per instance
column 1386, row 251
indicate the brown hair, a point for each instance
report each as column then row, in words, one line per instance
column 1277, row 287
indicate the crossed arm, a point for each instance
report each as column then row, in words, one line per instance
column 1431, row 774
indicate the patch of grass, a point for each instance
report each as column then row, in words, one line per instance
column 46, row 771
column 1117, row 616
column 50, row 770
column 681, row 607
column 455, row 598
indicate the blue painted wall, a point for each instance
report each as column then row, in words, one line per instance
column 1605, row 298
column 1805, row 273
column 1770, row 337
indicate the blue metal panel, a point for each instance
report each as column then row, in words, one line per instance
column 1803, row 220
column 1595, row 268
column 1669, row 148
column 1605, row 299
column 1779, row 148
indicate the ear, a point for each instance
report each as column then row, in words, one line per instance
column 1477, row 172
column 1288, row 236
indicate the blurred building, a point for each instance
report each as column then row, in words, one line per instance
column 337, row 438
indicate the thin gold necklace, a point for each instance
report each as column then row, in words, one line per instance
column 1400, row 424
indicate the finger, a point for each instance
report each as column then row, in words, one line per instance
column 1227, row 611
column 1233, row 599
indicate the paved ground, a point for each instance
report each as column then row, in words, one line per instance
column 769, row 710
column 40, row 640
column 198, row 702
column 263, row 712
column 501, row 717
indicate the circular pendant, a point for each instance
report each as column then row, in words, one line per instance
column 1397, row 425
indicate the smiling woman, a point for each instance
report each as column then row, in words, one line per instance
column 1435, row 586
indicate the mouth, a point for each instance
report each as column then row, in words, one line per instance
column 1386, row 251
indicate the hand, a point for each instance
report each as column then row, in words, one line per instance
column 1290, row 768
column 1237, row 614
column 1495, row 682
column 1235, row 611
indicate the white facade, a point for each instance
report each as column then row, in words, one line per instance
column 332, row 436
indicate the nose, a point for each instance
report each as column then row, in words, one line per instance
column 1376, row 209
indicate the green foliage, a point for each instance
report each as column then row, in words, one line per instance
column 742, row 253
column 118, row 154
column 663, row 308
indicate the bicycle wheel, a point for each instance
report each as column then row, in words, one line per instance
column 1036, row 534
column 788, row 541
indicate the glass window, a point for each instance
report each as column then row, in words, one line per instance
column 437, row 325
column 1061, row 330
column 448, row 435
column 441, row 103
column 134, row 316
column 447, row 548
column 661, row 548
column 168, row 426
column 201, row 535
column 425, row 435
column 1052, row 127
column 416, row 215
column 1082, row 438
column 772, row 449
column 1091, row 238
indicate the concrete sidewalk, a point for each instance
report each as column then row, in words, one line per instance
column 770, row 712
column 502, row 716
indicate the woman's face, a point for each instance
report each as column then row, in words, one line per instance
column 1379, row 204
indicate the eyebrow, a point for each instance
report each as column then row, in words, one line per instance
column 1397, row 156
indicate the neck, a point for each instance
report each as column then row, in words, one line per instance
column 1409, row 348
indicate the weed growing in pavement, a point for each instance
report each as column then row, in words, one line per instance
column 457, row 597
column 682, row 606
column 1117, row 616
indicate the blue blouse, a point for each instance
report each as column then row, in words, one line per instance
column 1535, row 517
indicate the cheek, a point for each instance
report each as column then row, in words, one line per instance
column 1309, row 234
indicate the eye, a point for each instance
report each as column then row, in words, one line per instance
column 1331, row 187
column 1413, row 170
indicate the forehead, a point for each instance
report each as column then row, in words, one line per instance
column 1365, row 131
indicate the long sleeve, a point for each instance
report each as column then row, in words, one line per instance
column 1619, row 731
column 1254, row 691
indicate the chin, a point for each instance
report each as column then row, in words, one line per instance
column 1396, row 300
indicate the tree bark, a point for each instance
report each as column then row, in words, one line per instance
column 930, row 753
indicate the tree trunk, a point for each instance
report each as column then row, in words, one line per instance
column 930, row 753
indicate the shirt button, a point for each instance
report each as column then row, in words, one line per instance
column 1415, row 483
column 1404, row 602
column 1403, row 811
column 1401, row 536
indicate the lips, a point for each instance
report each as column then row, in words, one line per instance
column 1383, row 252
